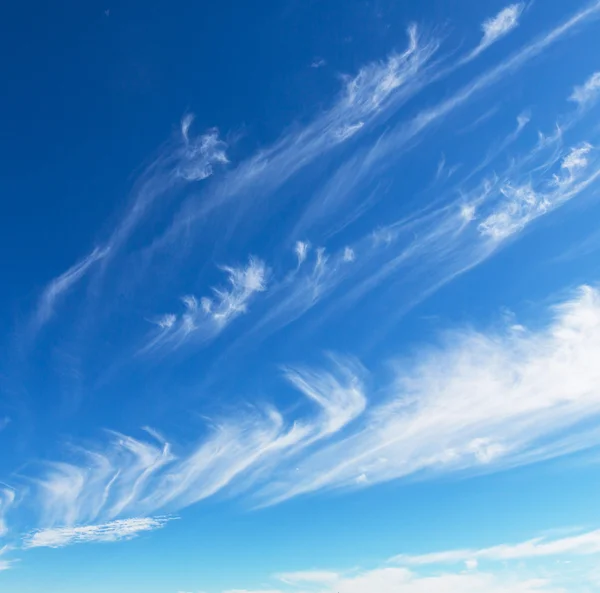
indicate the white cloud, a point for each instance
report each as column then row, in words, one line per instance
column 216, row 312
column 200, row 155
column 507, row 570
column 479, row 401
column 588, row 92
column 401, row 580
column 349, row 255
column 374, row 93
column 521, row 204
column 59, row 286
column 375, row 158
column 585, row 544
column 314, row 576
column 301, row 250
column 7, row 499
column 500, row 25
column 133, row 477
column 109, row 532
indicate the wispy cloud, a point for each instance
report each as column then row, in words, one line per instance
column 372, row 161
column 187, row 159
column 318, row 63
column 60, row 286
column 369, row 97
column 7, row 499
column 584, row 544
column 132, row 477
column 108, row 532
column 507, row 570
column 386, row 579
column 206, row 318
column 5, row 564
column 523, row 203
column 479, row 401
column 588, row 92
column 498, row 26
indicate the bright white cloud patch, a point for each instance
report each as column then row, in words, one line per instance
column 301, row 250
column 58, row 537
column 478, row 401
column 500, row 25
column 521, row 204
column 496, row 27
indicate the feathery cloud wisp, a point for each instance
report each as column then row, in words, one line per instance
column 130, row 477
column 211, row 315
column 124, row 529
column 60, row 285
column 588, row 92
column 503, row 23
column 479, row 402
column 7, row 499
column 584, row 544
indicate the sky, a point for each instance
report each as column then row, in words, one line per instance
column 300, row 297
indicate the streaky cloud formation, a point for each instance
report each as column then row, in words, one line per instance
column 7, row 499
column 293, row 256
column 378, row 157
column 509, row 568
column 368, row 98
column 523, row 203
column 582, row 544
column 109, row 532
column 133, row 477
column 477, row 402
column 59, row 286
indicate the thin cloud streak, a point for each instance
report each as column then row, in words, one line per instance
column 584, row 544
column 61, row 285
column 109, row 532
column 7, row 500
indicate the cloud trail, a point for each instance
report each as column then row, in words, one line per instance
column 477, row 401
column 109, row 532
column 60, row 286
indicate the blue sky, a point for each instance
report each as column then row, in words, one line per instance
column 300, row 297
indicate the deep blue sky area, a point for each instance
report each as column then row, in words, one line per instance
column 300, row 297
